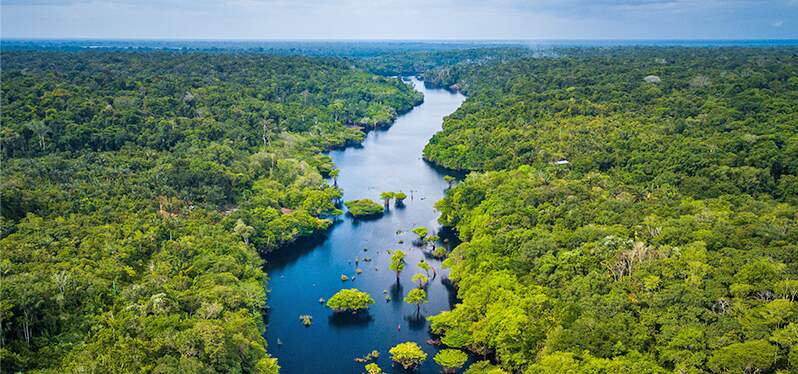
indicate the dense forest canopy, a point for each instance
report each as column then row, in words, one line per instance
column 631, row 210
column 628, row 209
column 138, row 187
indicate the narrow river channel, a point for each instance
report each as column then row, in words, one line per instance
column 388, row 160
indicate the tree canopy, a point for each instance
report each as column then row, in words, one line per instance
column 350, row 300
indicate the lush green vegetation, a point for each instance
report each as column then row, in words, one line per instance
column 407, row 354
column 450, row 359
column 350, row 300
column 138, row 187
column 667, row 242
column 364, row 208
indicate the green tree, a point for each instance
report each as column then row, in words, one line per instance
column 421, row 231
column 416, row 296
column 748, row 357
column 408, row 354
column 364, row 208
column 420, row 280
column 243, row 230
column 373, row 368
column 397, row 262
column 352, row 300
column 450, row 359
column 386, row 197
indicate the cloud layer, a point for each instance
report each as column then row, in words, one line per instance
column 397, row 19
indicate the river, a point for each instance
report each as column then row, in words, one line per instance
column 388, row 160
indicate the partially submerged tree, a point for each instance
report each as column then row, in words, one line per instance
column 386, row 197
column 364, row 208
column 400, row 197
column 420, row 280
column 421, row 231
column 352, row 300
column 408, row 354
column 424, row 266
column 416, row 296
column 334, row 173
column 449, row 180
column 373, row 368
column 397, row 262
column 451, row 359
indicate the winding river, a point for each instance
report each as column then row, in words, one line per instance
column 388, row 160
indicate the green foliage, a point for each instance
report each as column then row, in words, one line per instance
column 420, row 279
column 714, row 125
column 399, row 197
column 407, row 354
column 749, row 357
column 450, row 359
column 364, row 208
column 373, row 368
column 416, row 296
column 667, row 242
column 397, row 262
column 138, row 187
column 386, row 197
column 351, row 300
column 421, row 231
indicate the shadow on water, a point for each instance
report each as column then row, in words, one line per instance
column 293, row 252
column 451, row 291
column 344, row 320
column 416, row 321
column 457, row 174
column 396, row 293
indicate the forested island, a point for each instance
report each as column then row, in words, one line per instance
column 625, row 209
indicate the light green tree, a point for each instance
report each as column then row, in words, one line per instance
column 450, row 359
column 386, row 197
column 352, row 300
column 408, row 354
column 416, row 296
column 397, row 262
column 373, row 368
column 420, row 280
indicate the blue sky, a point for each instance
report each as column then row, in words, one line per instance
column 395, row 19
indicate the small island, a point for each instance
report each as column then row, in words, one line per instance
column 350, row 300
column 364, row 208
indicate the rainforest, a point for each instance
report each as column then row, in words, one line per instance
column 478, row 208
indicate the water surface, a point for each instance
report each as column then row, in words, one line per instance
column 388, row 160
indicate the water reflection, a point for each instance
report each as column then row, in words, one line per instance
column 389, row 160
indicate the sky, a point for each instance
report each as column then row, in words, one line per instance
column 399, row 20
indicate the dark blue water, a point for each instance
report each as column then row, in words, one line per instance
column 388, row 160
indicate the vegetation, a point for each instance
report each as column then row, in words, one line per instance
column 350, row 300
column 373, row 368
column 416, row 296
column 397, row 262
column 399, row 197
column 364, row 208
column 408, row 354
column 421, row 231
column 138, row 188
column 386, row 197
column 420, row 280
column 450, row 360
column 667, row 242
